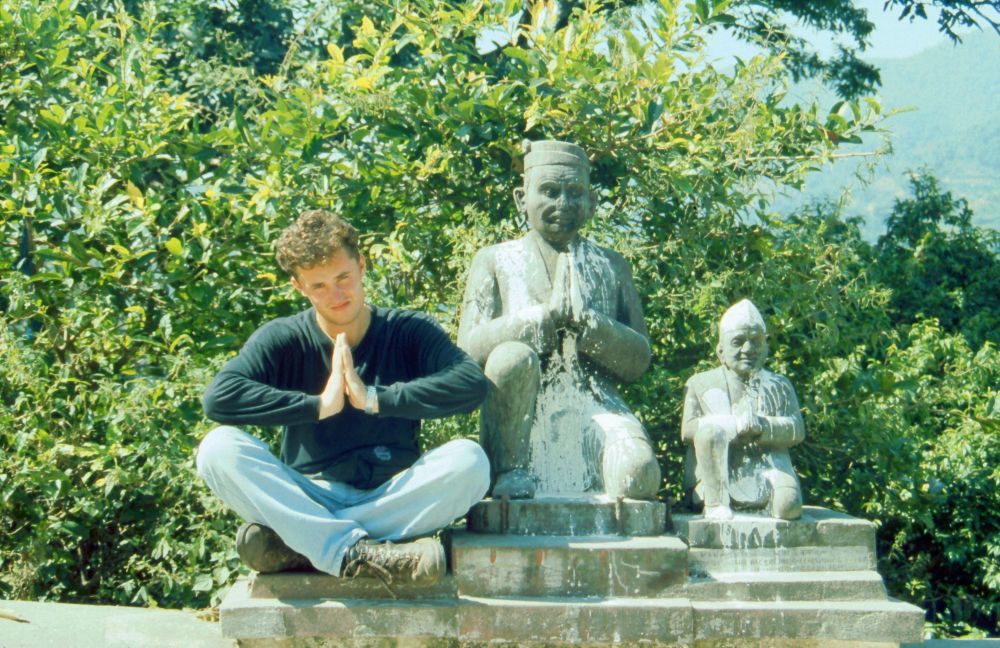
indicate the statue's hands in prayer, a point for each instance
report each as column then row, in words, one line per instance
column 559, row 310
column 331, row 401
column 749, row 428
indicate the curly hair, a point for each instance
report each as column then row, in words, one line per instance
column 314, row 237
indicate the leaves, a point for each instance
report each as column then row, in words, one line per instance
column 148, row 171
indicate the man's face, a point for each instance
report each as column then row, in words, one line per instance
column 334, row 288
column 743, row 350
column 558, row 201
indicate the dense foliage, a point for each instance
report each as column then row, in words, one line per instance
column 148, row 159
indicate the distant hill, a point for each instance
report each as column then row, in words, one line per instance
column 954, row 131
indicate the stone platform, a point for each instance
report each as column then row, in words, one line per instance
column 750, row 581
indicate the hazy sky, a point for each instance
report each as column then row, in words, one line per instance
column 893, row 38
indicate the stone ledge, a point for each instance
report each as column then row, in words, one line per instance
column 243, row 617
column 576, row 621
column 871, row 621
column 786, row 586
column 703, row 562
column 316, row 585
column 470, row 621
column 818, row 527
column 576, row 516
column 497, row 566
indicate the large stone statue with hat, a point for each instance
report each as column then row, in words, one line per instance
column 739, row 421
column 556, row 322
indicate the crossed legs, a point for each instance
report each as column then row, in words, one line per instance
column 322, row 519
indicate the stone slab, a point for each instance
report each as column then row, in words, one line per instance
column 576, row 516
column 471, row 621
column 818, row 527
column 874, row 621
column 316, row 585
column 785, row 586
column 703, row 562
column 576, row 621
column 244, row 617
column 498, row 565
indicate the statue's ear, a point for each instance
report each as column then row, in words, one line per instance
column 718, row 350
column 519, row 199
column 593, row 203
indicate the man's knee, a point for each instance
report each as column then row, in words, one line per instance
column 220, row 450
column 513, row 364
column 469, row 464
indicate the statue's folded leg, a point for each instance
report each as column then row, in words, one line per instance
column 628, row 464
column 515, row 376
column 786, row 492
column 711, row 449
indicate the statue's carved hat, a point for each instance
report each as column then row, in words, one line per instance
column 549, row 152
column 741, row 315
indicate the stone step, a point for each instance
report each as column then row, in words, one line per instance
column 564, row 516
column 316, row 585
column 709, row 562
column 785, row 586
column 286, row 621
column 498, row 565
column 572, row 621
column 887, row 621
column 818, row 527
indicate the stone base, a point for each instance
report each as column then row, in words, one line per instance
column 545, row 566
column 576, row 516
column 747, row 582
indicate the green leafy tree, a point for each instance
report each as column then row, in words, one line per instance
column 151, row 218
column 941, row 265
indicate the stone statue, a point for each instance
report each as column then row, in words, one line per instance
column 556, row 322
column 739, row 421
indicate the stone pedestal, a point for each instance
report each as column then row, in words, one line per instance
column 749, row 581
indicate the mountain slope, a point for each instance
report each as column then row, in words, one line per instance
column 954, row 130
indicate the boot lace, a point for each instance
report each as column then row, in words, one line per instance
column 382, row 561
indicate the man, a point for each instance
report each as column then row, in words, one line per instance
column 349, row 382
column 556, row 321
column 739, row 421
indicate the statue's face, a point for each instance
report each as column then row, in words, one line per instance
column 743, row 350
column 557, row 200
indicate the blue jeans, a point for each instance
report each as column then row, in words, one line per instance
column 322, row 519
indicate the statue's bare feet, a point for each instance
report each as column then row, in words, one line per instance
column 515, row 484
column 718, row 513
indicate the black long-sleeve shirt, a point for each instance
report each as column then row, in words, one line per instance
column 279, row 373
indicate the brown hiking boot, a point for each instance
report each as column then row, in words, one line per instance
column 261, row 549
column 420, row 562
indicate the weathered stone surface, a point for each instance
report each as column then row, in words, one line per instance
column 785, row 586
column 473, row 621
column 556, row 323
column 319, row 585
column 244, row 617
column 748, row 582
column 888, row 621
column 579, row 516
column 489, row 565
column 817, row 527
column 576, row 621
column 780, row 559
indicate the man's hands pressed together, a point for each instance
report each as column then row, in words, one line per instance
column 344, row 381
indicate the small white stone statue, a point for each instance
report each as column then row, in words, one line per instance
column 739, row 421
